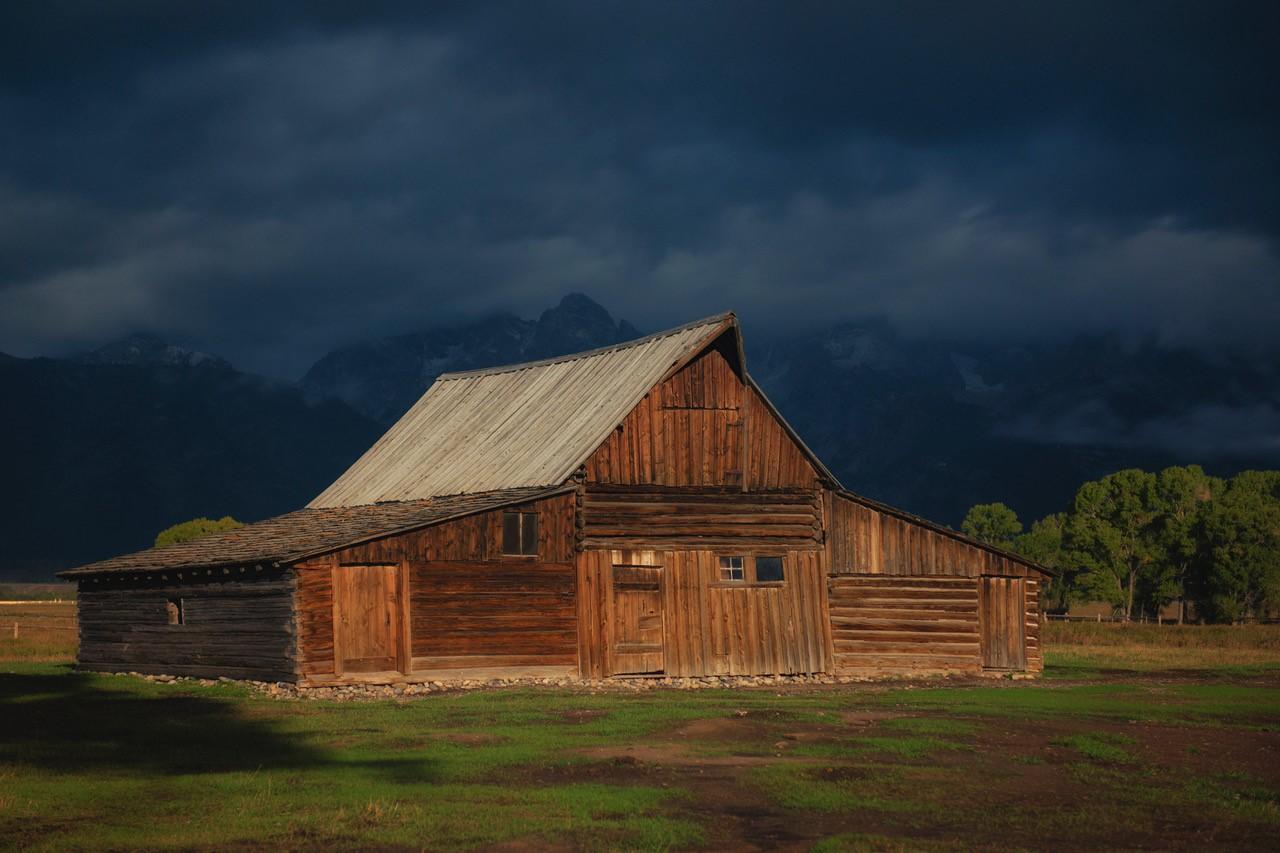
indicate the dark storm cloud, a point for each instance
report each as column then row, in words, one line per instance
column 268, row 185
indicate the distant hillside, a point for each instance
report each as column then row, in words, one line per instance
column 111, row 447
column 105, row 450
column 383, row 378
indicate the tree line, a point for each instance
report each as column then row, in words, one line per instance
column 1140, row 541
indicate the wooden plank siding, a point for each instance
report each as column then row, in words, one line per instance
column 469, row 605
column 315, row 609
column 863, row 540
column 476, row 538
column 712, row 627
column 237, row 623
column 506, row 611
column 702, row 426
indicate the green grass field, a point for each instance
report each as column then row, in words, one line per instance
column 1092, row 756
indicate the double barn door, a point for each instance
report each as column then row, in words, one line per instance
column 368, row 620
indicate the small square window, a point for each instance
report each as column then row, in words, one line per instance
column 520, row 534
column 731, row 569
column 174, row 608
column 768, row 569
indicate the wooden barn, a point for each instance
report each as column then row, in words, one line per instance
column 635, row 510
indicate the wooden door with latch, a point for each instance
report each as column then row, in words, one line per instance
column 367, row 617
column 637, row 619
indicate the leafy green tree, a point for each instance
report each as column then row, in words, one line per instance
column 1043, row 544
column 994, row 524
column 1241, row 545
column 1110, row 535
column 1183, row 495
column 194, row 529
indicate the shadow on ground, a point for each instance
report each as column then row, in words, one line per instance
column 73, row 722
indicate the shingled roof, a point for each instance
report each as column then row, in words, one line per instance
column 516, row 426
column 306, row 532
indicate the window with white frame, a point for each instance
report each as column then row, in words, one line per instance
column 733, row 569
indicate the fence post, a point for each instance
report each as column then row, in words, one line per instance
column 15, row 630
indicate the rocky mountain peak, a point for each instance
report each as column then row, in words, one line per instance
column 578, row 323
column 143, row 349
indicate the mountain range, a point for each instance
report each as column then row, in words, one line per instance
column 111, row 446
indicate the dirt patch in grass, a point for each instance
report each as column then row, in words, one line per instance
column 582, row 715
column 866, row 718
column 471, row 738
column 1018, row 782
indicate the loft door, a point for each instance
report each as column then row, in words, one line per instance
column 365, row 615
column 636, row 645
column 1002, row 613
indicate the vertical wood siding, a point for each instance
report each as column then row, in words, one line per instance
column 773, row 459
column 689, row 431
column 1002, row 619
column 713, row 628
column 862, row 540
column 238, row 624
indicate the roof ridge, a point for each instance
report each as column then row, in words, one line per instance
column 575, row 356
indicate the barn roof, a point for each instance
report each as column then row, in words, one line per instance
column 516, row 426
column 307, row 532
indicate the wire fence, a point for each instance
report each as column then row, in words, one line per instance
column 38, row 621
column 1144, row 619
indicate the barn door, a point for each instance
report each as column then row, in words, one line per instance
column 1002, row 614
column 636, row 645
column 366, row 618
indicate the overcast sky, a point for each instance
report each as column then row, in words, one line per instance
column 269, row 186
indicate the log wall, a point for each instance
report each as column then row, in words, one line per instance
column 883, row 624
column 658, row 518
column 905, row 597
column 711, row 627
column 239, row 624
column 1035, row 653
column 702, row 426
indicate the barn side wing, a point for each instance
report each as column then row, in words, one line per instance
column 906, row 595
column 466, row 606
